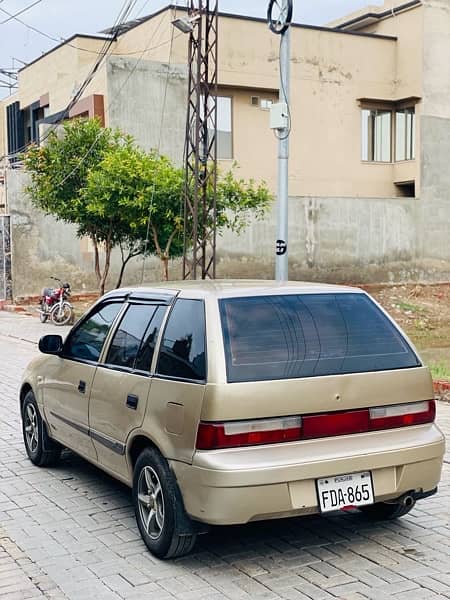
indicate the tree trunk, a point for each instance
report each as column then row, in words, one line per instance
column 125, row 261
column 108, row 248
column 96, row 261
column 165, row 267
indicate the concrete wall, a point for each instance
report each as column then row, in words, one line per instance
column 5, row 258
column 339, row 240
column 352, row 240
column 152, row 103
column 435, row 130
column 43, row 247
column 60, row 73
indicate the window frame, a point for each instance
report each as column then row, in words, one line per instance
column 157, row 353
column 268, row 103
column 393, row 107
column 370, row 135
column 407, row 109
column 231, row 99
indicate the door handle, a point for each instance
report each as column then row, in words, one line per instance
column 132, row 401
column 82, row 387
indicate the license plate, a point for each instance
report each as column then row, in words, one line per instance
column 341, row 491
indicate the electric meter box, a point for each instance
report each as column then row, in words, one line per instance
column 279, row 116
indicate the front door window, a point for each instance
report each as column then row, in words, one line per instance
column 86, row 341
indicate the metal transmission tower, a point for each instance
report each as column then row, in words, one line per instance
column 201, row 143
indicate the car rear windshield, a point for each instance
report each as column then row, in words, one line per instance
column 309, row 335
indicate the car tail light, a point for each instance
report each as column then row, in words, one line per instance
column 248, row 433
column 340, row 423
column 402, row 415
column 234, row 434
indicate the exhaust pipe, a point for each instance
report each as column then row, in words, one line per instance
column 407, row 500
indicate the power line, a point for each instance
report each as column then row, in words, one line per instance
column 97, row 138
column 163, row 112
column 11, row 17
column 141, row 10
column 127, row 7
column 62, row 40
column 35, row 29
column 59, row 40
column 149, row 48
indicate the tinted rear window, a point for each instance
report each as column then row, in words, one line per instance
column 284, row 337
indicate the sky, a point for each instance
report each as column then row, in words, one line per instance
column 59, row 19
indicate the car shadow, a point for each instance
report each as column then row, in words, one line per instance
column 301, row 540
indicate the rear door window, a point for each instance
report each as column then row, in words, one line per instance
column 134, row 341
column 183, row 348
column 292, row 336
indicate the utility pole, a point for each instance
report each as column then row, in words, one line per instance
column 201, row 141
column 8, row 79
column 279, row 16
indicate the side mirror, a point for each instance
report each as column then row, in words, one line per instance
column 51, row 344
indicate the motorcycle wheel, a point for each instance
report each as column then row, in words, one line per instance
column 43, row 314
column 61, row 315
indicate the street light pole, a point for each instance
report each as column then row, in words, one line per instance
column 282, row 248
column 279, row 18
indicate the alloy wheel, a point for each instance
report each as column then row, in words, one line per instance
column 31, row 428
column 151, row 502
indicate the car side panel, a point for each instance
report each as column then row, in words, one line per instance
column 172, row 417
column 65, row 406
column 111, row 418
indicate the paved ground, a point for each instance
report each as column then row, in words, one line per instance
column 69, row 532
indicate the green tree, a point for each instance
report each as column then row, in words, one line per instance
column 59, row 171
column 119, row 195
column 149, row 190
column 143, row 193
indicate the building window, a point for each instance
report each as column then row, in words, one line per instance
column 376, row 135
column 224, row 128
column 266, row 104
column 405, row 134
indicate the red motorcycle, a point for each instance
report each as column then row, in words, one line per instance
column 54, row 304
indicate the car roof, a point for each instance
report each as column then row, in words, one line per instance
column 222, row 288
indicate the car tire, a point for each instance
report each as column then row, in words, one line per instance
column 41, row 449
column 159, row 509
column 387, row 511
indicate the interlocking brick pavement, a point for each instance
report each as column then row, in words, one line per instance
column 69, row 532
column 20, row 578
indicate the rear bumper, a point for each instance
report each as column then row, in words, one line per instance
column 247, row 484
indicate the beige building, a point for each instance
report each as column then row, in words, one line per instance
column 370, row 110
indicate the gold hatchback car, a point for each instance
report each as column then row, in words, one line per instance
column 233, row 401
